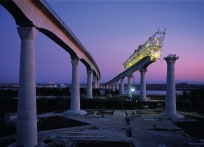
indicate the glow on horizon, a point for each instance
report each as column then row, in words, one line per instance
column 111, row 31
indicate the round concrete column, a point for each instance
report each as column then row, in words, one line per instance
column 110, row 87
column 130, row 80
column 143, row 85
column 170, row 105
column 117, row 86
column 95, row 82
column 75, row 91
column 113, row 87
column 27, row 115
column 122, row 86
column 89, row 84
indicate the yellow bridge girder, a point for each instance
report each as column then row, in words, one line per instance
column 151, row 48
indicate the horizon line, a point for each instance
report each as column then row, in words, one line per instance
column 148, row 82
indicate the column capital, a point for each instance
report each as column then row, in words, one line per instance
column 95, row 77
column 75, row 61
column 89, row 71
column 143, row 70
column 171, row 57
column 27, row 33
column 130, row 76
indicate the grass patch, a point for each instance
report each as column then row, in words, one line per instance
column 103, row 144
column 46, row 123
column 151, row 111
column 57, row 122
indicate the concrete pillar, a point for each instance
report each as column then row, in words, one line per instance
column 27, row 115
column 89, row 84
column 75, row 90
column 110, row 87
column 170, row 105
column 117, row 86
column 143, row 85
column 122, row 86
column 130, row 80
column 113, row 87
column 95, row 82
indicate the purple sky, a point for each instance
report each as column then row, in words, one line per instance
column 111, row 31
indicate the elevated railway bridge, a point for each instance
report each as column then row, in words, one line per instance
column 31, row 17
column 141, row 58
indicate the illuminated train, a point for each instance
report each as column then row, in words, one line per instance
column 151, row 48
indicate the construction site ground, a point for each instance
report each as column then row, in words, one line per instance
column 117, row 128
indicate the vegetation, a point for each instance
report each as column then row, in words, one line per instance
column 56, row 122
column 193, row 128
column 47, row 123
column 192, row 101
column 189, row 101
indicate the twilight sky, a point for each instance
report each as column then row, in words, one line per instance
column 111, row 31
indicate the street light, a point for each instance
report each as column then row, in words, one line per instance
column 132, row 91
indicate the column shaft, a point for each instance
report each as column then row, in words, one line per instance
column 110, row 87
column 27, row 115
column 89, row 84
column 95, row 83
column 130, row 78
column 122, row 86
column 117, row 87
column 113, row 87
column 170, row 107
column 75, row 91
column 143, row 85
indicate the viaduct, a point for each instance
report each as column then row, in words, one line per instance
column 26, row 14
column 32, row 17
column 141, row 58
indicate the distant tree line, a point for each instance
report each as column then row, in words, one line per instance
column 53, row 91
column 188, row 101
column 179, row 86
column 47, row 92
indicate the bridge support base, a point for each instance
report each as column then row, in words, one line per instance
column 70, row 112
column 175, row 116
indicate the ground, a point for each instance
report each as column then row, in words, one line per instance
column 119, row 128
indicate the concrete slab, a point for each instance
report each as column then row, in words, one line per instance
column 142, row 131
